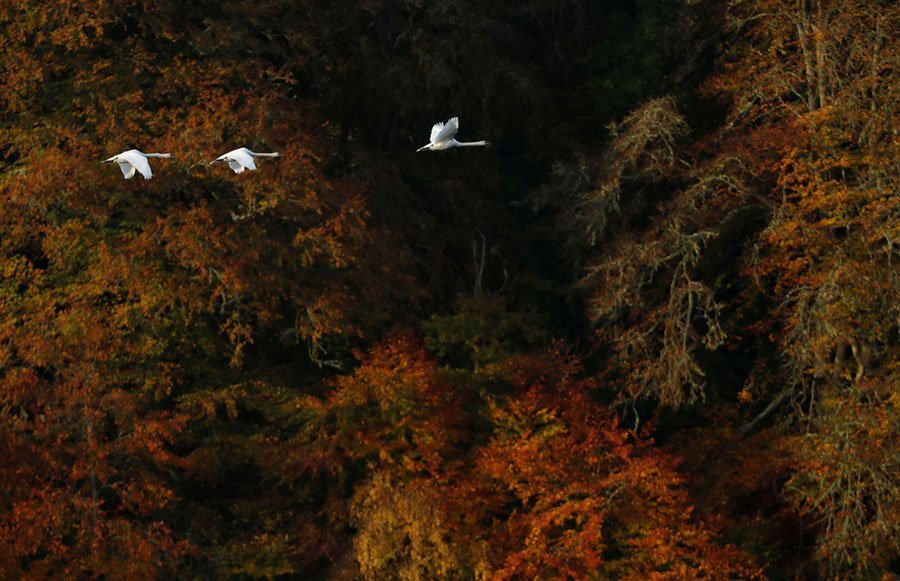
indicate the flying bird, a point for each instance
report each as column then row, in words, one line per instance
column 242, row 158
column 442, row 137
column 134, row 160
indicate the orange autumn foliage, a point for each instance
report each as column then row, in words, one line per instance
column 585, row 497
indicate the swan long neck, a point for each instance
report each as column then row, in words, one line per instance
column 471, row 143
column 166, row 155
column 274, row 154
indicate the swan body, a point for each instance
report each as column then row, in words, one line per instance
column 242, row 159
column 132, row 161
column 442, row 137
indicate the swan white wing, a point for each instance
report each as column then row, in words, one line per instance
column 139, row 162
column 445, row 132
column 243, row 157
column 238, row 168
column 127, row 169
column 436, row 130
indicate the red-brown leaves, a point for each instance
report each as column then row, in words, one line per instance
column 586, row 497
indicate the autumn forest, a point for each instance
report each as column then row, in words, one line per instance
column 650, row 332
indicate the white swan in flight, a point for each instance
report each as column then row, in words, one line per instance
column 242, row 158
column 134, row 160
column 442, row 137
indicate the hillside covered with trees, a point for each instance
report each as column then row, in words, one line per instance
column 651, row 332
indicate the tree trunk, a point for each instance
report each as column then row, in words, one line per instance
column 819, row 29
column 479, row 263
column 840, row 356
column 804, row 32
column 92, row 476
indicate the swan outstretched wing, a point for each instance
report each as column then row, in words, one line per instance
column 241, row 156
column 443, row 132
column 138, row 162
column 436, row 130
column 238, row 168
column 127, row 169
